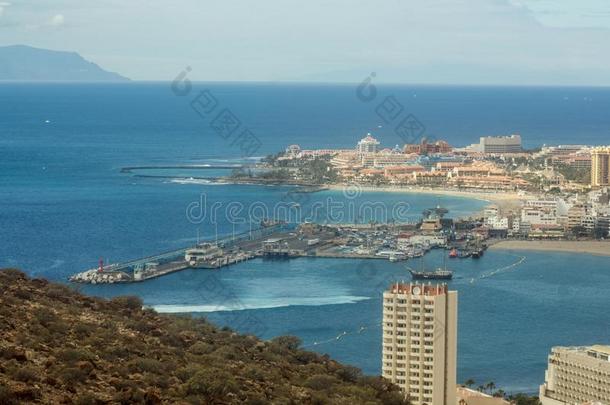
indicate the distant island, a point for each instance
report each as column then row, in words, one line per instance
column 25, row 63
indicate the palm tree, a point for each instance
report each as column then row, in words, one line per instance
column 469, row 382
column 499, row 393
column 490, row 386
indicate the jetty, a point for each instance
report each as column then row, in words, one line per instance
column 232, row 249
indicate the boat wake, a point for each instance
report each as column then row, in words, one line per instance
column 345, row 334
column 500, row 270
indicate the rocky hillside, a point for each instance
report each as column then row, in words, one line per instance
column 58, row 346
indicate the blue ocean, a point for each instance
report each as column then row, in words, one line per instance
column 65, row 202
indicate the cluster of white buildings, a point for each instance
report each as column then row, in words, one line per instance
column 576, row 156
column 427, row 164
column 587, row 214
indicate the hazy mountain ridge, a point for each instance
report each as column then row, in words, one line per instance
column 24, row 63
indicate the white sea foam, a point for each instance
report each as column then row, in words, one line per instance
column 259, row 304
column 191, row 181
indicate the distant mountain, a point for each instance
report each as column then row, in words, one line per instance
column 20, row 62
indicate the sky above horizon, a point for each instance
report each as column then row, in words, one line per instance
column 509, row 42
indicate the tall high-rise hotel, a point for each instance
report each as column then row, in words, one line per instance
column 600, row 167
column 420, row 341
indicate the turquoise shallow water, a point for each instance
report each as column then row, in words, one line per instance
column 64, row 203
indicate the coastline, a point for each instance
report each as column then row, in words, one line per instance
column 592, row 247
column 505, row 200
column 502, row 198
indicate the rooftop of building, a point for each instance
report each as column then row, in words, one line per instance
column 601, row 349
column 468, row 396
column 594, row 350
column 419, row 289
column 369, row 139
column 513, row 136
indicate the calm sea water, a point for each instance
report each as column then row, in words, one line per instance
column 64, row 203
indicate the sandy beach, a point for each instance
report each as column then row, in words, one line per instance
column 505, row 200
column 594, row 247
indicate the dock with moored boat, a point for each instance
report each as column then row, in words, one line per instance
column 279, row 240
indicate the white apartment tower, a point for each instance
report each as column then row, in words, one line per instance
column 420, row 341
column 577, row 375
column 600, row 167
column 368, row 144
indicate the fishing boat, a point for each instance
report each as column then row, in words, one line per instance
column 477, row 253
column 463, row 254
column 453, row 253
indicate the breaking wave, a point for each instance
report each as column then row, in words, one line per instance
column 259, row 304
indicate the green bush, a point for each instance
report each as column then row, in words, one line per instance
column 74, row 355
column 200, row 348
column 127, row 302
column 86, row 398
column 349, row 373
column 6, row 397
column 59, row 292
column 26, row 374
column 287, row 342
column 147, row 365
column 72, row 375
column 320, row 382
column 212, row 384
column 13, row 274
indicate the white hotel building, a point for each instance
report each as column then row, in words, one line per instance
column 577, row 375
column 420, row 342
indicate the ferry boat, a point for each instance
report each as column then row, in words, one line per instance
column 202, row 255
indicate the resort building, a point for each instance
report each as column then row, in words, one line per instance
column 293, row 151
column 576, row 160
column 600, row 167
column 495, row 145
column 368, row 144
column 602, row 226
column 345, row 159
column 447, row 166
column 429, row 178
column 476, row 169
column 497, row 223
column 393, row 171
column 577, row 215
column 544, row 213
column 420, row 341
column 500, row 144
column 387, row 158
column 577, row 375
column 424, row 148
